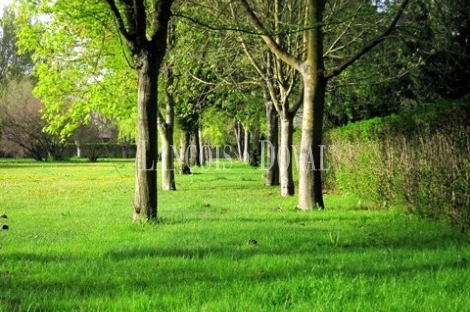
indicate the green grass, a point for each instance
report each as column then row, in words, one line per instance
column 72, row 247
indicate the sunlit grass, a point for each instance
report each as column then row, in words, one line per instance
column 72, row 247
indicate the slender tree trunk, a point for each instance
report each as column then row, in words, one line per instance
column 125, row 149
column 165, row 128
column 318, row 106
column 306, row 195
column 238, row 135
column 286, row 156
column 168, row 162
column 185, row 153
column 197, row 143
column 272, row 125
column 246, row 147
column 145, row 201
column 202, row 155
column 254, row 159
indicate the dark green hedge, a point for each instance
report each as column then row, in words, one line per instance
column 419, row 160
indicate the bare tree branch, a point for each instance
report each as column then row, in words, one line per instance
column 269, row 40
column 247, row 52
column 372, row 44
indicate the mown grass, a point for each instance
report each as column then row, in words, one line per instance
column 72, row 246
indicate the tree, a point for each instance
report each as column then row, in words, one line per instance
column 20, row 120
column 430, row 62
column 23, row 125
column 203, row 73
column 315, row 78
column 442, row 42
column 213, row 75
column 166, row 125
column 93, row 138
column 13, row 66
column 272, row 131
column 279, row 82
column 78, row 64
column 86, row 26
column 147, row 53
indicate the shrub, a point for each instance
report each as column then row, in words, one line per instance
column 420, row 160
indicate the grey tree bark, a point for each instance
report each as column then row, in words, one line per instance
column 202, row 154
column 286, row 156
column 246, row 146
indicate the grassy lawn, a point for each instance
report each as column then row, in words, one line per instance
column 72, row 246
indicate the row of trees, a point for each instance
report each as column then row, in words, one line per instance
column 212, row 63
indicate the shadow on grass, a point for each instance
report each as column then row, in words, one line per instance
column 171, row 269
column 240, row 252
column 41, row 258
column 303, row 239
column 200, row 269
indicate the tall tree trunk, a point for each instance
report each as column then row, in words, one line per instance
column 165, row 128
column 147, row 45
column 185, row 153
column 145, row 201
column 286, row 157
column 246, row 147
column 313, row 73
column 310, row 183
column 272, row 125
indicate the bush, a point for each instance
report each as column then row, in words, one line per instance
column 420, row 160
